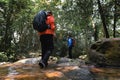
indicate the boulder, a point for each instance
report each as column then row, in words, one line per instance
column 105, row 52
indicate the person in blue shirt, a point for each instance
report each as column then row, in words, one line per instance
column 70, row 46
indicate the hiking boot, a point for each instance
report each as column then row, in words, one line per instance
column 42, row 65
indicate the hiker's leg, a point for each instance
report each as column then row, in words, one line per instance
column 43, row 54
column 70, row 52
column 47, row 47
column 43, row 48
column 46, row 57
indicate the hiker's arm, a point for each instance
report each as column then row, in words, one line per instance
column 52, row 23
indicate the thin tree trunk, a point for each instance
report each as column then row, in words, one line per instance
column 95, row 35
column 114, row 25
column 103, row 19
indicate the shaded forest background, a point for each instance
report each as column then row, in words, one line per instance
column 87, row 20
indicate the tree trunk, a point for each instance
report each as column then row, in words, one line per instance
column 8, row 31
column 114, row 25
column 96, row 33
column 103, row 19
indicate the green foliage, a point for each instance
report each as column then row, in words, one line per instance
column 3, row 57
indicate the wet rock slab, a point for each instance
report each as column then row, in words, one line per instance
column 63, row 69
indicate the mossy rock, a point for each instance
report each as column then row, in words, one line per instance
column 105, row 52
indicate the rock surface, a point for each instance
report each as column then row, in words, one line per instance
column 105, row 52
column 63, row 69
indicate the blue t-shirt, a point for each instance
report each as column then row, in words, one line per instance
column 70, row 42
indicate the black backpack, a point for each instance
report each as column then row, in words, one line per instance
column 39, row 21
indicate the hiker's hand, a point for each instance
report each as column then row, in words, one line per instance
column 54, row 35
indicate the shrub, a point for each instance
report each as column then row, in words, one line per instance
column 3, row 57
